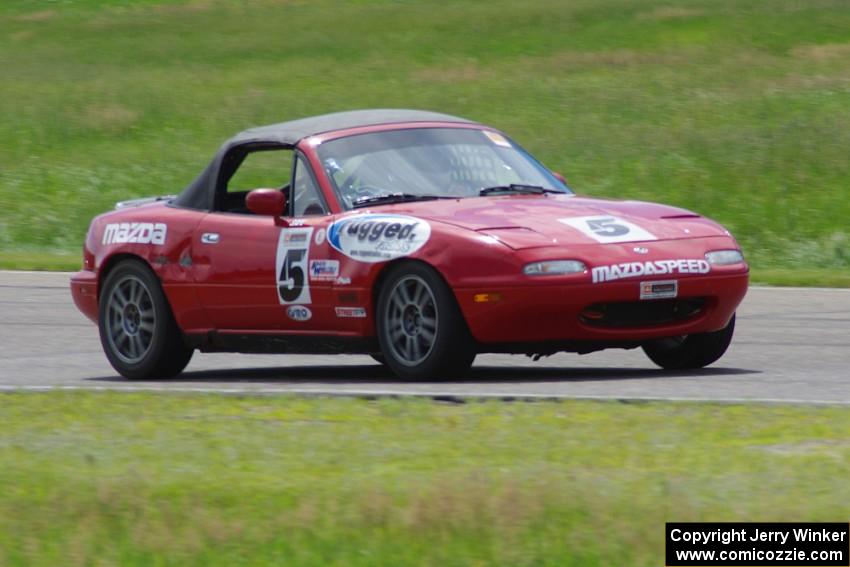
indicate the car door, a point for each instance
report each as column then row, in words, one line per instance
column 252, row 271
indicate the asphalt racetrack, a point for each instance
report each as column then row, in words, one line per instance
column 791, row 345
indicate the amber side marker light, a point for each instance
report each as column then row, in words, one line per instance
column 486, row 297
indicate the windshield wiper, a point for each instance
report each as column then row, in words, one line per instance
column 517, row 188
column 395, row 198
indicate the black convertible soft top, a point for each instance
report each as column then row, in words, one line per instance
column 200, row 193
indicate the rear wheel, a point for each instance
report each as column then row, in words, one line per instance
column 421, row 330
column 137, row 329
column 691, row 351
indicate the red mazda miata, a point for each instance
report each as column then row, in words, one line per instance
column 419, row 238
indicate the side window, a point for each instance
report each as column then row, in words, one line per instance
column 266, row 168
column 262, row 169
column 306, row 197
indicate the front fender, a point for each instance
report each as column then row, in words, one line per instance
column 467, row 258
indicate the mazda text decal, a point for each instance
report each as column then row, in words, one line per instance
column 607, row 229
column 291, row 265
column 135, row 232
column 378, row 238
column 658, row 267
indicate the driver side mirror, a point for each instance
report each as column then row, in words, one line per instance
column 560, row 177
column 266, row 202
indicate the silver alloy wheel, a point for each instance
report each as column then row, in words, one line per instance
column 130, row 319
column 411, row 320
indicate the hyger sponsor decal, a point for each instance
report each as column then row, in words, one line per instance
column 608, row 229
column 135, row 233
column 351, row 312
column 299, row 313
column 639, row 269
column 324, row 270
column 378, row 238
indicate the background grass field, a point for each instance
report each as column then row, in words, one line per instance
column 103, row 479
column 738, row 109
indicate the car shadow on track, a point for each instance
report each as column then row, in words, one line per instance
column 377, row 374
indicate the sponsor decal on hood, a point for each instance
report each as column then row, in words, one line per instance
column 608, row 229
column 658, row 267
column 378, row 238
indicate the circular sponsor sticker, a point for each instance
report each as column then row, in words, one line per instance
column 320, row 237
column 299, row 313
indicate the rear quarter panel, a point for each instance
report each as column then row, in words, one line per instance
column 159, row 235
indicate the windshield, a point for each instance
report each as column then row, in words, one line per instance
column 428, row 162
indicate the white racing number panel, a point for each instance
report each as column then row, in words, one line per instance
column 608, row 229
column 292, row 266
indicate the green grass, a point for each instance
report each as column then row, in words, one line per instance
column 738, row 109
column 801, row 277
column 142, row 479
column 40, row 261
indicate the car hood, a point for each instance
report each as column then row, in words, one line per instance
column 532, row 221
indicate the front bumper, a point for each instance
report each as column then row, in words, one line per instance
column 84, row 292
column 553, row 312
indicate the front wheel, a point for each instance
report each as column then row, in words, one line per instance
column 421, row 330
column 691, row 351
column 137, row 329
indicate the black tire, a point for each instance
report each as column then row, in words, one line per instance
column 691, row 351
column 137, row 329
column 404, row 327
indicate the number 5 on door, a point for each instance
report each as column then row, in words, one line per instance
column 293, row 257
